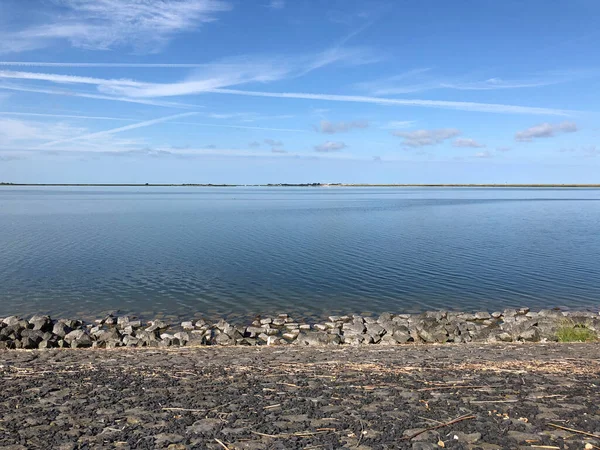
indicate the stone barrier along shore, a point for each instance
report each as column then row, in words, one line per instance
column 511, row 325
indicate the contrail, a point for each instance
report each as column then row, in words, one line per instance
column 118, row 130
column 76, row 64
column 464, row 106
column 67, row 116
column 100, row 97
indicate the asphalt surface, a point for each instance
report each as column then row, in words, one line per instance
column 377, row 397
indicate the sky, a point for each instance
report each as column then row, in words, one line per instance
column 299, row 91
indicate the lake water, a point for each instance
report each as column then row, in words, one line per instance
column 237, row 252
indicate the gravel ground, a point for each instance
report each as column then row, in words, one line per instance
column 379, row 397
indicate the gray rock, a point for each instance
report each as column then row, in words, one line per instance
column 157, row 325
column 266, row 321
column 42, row 323
column 504, row 337
column 375, row 328
column 356, row 327
column 72, row 335
column 204, row 426
column 482, row 315
column 11, row 321
column 321, row 327
column 185, row 337
column 530, row 335
column 369, row 320
column 313, row 338
column 223, row 339
column 496, row 314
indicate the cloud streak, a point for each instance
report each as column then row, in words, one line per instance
column 423, row 138
column 330, row 146
column 68, row 93
column 328, row 127
column 145, row 26
column 463, row 106
column 545, row 130
column 146, row 123
column 467, row 143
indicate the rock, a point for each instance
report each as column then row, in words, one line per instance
column 504, row 337
column 157, row 325
column 11, row 321
column 313, row 338
column 496, row 314
column 375, row 328
column 356, row 327
column 321, row 327
column 279, row 321
column 354, row 339
column 289, row 336
column 369, row 320
column 163, row 439
column 223, row 339
column 304, row 326
column 266, row 321
column 385, row 317
column 73, row 335
column 183, row 336
column 204, row 426
column 135, row 324
column 123, row 320
column 61, row 329
column 482, row 315
column 430, row 330
column 530, row 335
column 27, row 343
column 42, row 323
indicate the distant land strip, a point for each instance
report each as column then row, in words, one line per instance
column 491, row 185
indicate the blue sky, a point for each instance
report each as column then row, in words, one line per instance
column 267, row 91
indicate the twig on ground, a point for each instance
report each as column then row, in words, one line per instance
column 184, row 409
column 452, row 422
column 585, row 433
column 362, row 432
column 439, row 388
column 221, row 444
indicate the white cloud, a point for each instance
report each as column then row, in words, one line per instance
column 146, row 123
column 16, row 131
column 463, row 106
column 420, row 80
column 398, row 124
column 330, row 146
column 467, row 143
column 223, row 74
column 66, row 116
column 85, row 64
column 338, row 127
column 273, row 143
column 276, row 4
column 422, row 138
column 484, row 154
column 144, row 26
column 545, row 130
column 67, row 93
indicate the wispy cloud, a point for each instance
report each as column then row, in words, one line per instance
column 17, row 131
column 273, row 143
column 64, row 116
column 398, row 124
column 467, row 143
column 545, row 130
column 420, row 80
column 503, row 149
column 146, row 123
column 484, row 154
column 231, row 74
column 100, row 64
column 463, row 106
column 144, row 26
column 423, row 138
column 69, row 93
column 276, row 4
column 254, row 144
column 330, row 146
column 328, row 127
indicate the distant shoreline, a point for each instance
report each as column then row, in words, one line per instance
column 316, row 185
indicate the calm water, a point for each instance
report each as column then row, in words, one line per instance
column 243, row 251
